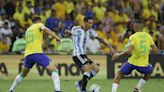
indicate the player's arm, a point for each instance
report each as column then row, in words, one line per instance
column 49, row 32
column 68, row 32
column 123, row 53
column 154, row 49
column 106, row 44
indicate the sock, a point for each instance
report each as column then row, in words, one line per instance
column 93, row 73
column 17, row 80
column 140, row 83
column 56, row 80
column 114, row 87
column 85, row 80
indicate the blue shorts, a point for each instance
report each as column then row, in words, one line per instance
column 39, row 58
column 127, row 68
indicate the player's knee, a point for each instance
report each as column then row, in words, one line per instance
column 55, row 69
column 86, row 68
column 117, row 79
column 118, row 76
column 89, row 70
column 52, row 68
column 95, row 68
column 146, row 77
column 24, row 72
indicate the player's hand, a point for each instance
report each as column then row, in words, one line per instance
column 58, row 39
column 115, row 56
column 113, row 51
column 68, row 32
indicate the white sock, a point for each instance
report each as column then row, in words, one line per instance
column 114, row 87
column 93, row 73
column 17, row 80
column 56, row 80
column 140, row 83
column 87, row 74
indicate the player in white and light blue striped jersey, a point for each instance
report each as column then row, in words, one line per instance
column 80, row 36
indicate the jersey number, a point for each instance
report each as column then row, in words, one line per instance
column 29, row 36
column 143, row 46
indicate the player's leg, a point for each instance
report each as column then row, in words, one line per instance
column 86, row 76
column 146, row 71
column 126, row 69
column 84, row 65
column 55, row 76
column 116, row 81
column 25, row 70
column 44, row 61
column 95, row 69
column 19, row 78
column 78, row 84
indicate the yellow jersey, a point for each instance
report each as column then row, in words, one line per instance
column 34, row 39
column 142, row 42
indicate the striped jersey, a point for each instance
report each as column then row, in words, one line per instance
column 80, row 38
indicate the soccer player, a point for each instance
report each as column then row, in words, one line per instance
column 80, row 35
column 140, row 45
column 34, row 53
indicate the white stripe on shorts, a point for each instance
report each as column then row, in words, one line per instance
column 81, row 59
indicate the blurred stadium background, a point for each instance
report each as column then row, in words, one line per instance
column 114, row 21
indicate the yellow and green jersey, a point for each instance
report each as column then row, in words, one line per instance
column 34, row 39
column 142, row 42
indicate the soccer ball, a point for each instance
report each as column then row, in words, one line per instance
column 95, row 88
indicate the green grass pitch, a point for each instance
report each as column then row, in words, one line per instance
column 126, row 85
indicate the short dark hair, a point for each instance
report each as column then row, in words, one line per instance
column 36, row 18
column 86, row 18
column 6, row 23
